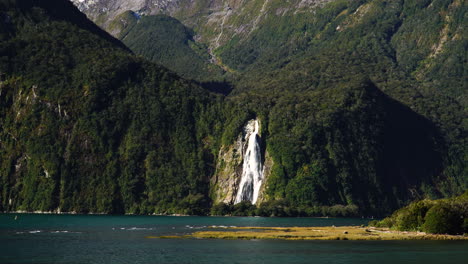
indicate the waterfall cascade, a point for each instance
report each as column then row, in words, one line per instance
column 252, row 168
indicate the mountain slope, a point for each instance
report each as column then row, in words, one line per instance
column 422, row 38
column 165, row 40
column 420, row 42
column 89, row 127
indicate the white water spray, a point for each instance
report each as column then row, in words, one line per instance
column 252, row 168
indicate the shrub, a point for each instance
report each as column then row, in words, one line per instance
column 443, row 219
column 244, row 208
column 221, row 209
column 413, row 217
column 465, row 225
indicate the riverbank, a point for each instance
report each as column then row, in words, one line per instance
column 314, row 233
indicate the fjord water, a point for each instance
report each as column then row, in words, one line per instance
column 122, row 239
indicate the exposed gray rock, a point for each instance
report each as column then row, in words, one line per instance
column 225, row 182
column 216, row 21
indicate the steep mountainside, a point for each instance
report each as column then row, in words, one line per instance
column 215, row 23
column 88, row 127
column 222, row 18
column 167, row 41
column 423, row 39
column 349, row 121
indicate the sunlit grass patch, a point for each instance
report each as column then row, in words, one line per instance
column 315, row 233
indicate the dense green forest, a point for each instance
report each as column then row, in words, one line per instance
column 357, row 122
column 165, row 40
column 445, row 216
column 88, row 127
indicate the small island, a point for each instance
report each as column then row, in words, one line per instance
column 315, row 233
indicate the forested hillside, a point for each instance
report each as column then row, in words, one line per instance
column 294, row 63
column 88, row 127
column 358, row 114
column 165, row 40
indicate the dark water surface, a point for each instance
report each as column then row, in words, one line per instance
column 121, row 239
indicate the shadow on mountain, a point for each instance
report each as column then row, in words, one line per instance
column 224, row 88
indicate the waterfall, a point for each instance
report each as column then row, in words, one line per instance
column 252, row 168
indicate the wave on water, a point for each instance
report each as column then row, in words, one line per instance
column 154, row 228
column 65, row 232
column 195, row 227
column 135, row 228
column 51, row 232
column 139, row 228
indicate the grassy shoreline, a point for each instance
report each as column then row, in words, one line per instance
column 314, row 233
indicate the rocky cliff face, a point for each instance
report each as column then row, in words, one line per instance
column 112, row 8
column 228, row 172
column 229, row 168
column 215, row 21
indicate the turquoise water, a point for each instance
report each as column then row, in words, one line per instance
column 121, row 239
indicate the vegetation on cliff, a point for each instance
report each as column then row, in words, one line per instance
column 88, row 127
column 353, row 125
column 165, row 40
column 315, row 77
